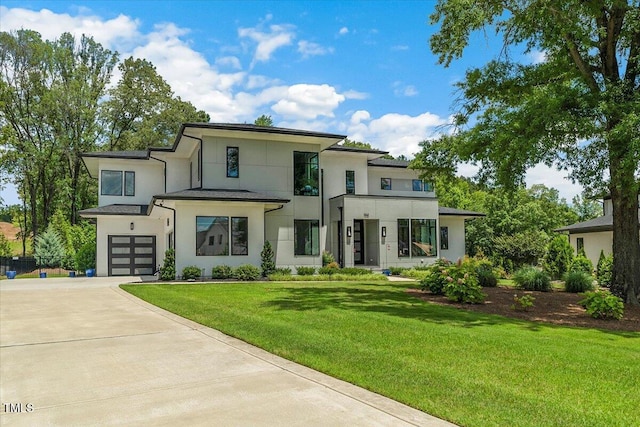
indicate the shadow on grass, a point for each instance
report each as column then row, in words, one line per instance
column 381, row 299
column 393, row 300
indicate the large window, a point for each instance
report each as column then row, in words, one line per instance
column 417, row 237
column 306, row 237
column 212, row 235
column 111, row 183
column 305, row 174
column 351, row 182
column 233, row 165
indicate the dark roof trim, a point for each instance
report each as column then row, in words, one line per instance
column 139, row 154
column 602, row 223
column 377, row 196
column 389, row 163
column 220, row 195
column 445, row 211
column 137, row 210
column 337, row 147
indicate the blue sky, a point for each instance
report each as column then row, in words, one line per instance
column 359, row 68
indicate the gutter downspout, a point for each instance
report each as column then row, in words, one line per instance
column 165, row 173
column 175, row 229
column 264, row 222
column 199, row 157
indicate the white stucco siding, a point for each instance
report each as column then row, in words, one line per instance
column 401, row 182
column 335, row 165
column 149, row 180
column 593, row 244
column 177, row 174
column 455, row 227
column 185, row 235
column 118, row 225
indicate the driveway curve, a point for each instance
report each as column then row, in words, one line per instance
column 84, row 352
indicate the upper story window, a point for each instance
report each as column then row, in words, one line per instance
column 305, row 174
column 416, row 184
column 351, row 182
column 428, row 186
column 233, row 163
column 385, row 183
column 112, row 183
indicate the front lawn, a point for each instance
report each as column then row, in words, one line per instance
column 470, row 368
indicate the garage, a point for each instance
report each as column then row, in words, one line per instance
column 132, row 255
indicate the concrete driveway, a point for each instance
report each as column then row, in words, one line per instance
column 84, row 352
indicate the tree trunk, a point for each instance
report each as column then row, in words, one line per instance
column 626, row 243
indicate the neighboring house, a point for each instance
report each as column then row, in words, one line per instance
column 222, row 190
column 595, row 235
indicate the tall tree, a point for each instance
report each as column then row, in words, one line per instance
column 578, row 109
column 264, row 120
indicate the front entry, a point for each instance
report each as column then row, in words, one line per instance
column 358, row 242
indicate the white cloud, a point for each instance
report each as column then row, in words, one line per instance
column 117, row 33
column 268, row 43
column 396, row 133
column 352, row 94
column 308, row 101
column 537, row 56
column 552, row 177
column 400, row 89
column 343, row 31
column 308, row 49
column 230, row 62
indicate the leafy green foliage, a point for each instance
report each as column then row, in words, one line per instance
column 221, row 272
column 354, row 271
column 285, row 271
column 435, row 278
column 305, row 271
column 519, row 249
column 168, row 269
column 86, row 256
column 397, row 271
column 487, row 278
column 264, row 120
column 578, row 281
column 532, row 279
column 523, row 303
column 49, row 250
column 603, row 305
column 558, row 257
column 581, row 263
column 5, row 247
column 267, row 263
column 463, row 287
column 605, row 271
column 246, row 272
column 331, row 268
column 191, row 272
column 327, row 258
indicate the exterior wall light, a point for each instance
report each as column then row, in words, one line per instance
column 349, row 231
column 131, row 226
column 384, row 232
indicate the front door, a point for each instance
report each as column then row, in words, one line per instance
column 358, row 241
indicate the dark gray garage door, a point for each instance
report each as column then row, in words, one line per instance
column 132, row 255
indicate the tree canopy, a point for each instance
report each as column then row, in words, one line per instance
column 578, row 109
column 56, row 102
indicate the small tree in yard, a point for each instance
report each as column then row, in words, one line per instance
column 49, row 249
column 5, row 247
column 558, row 257
column 168, row 269
column 267, row 265
column 86, row 256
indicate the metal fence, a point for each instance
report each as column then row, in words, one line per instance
column 20, row 265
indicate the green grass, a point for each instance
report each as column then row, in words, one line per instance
column 470, row 368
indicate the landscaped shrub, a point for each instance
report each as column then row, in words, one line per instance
column 603, row 305
column 327, row 258
column 49, row 249
column 267, row 263
column 519, row 248
column 86, row 257
column 168, row 269
column 523, row 303
column 605, row 271
column 397, row 271
column 354, row 271
column 487, row 278
column 434, row 282
column 283, row 270
column 221, row 272
column 581, row 263
column 246, row 272
column 412, row 273
column 532, row 279
column 331, row 268
column 558, row 257
column 578, row 281
column 191, row 272
column 462, row 285
column 305, row 271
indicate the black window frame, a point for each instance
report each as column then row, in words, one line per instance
column 241, row 249
column 350, row 182
column 230, row 164
column 123, row 178
column 297, row 238
column 384, row 183
column 444, row 238
column 306, row 181
column 129, row 177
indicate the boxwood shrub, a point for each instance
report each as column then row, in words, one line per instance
column 191, row 272
column 246, row 272
column 221, row 272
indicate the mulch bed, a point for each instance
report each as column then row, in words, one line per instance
column 555, row 307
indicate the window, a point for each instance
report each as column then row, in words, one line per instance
column 428, row 186
column 305, row 174
column 417, row 237
column 385, row 183
column 306, row 235
column 129, row 183
column 351, row 182
column 207, row 229
column 233, row 166
column 417, row 185
column 444, row 238
column 580, row 244
column 111, row 183
column 239, row 236
column 403, row 238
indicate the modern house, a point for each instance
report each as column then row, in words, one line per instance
column 595, row 235
column 222, row 190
